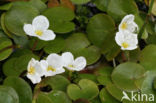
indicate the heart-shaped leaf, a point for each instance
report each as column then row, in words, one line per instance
column 80, row 1
column 86, row 89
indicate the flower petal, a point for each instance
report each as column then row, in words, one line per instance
column 55, row 60
column 40, row 23
column 47, row 35
column 34, row 78
column 119, row 38
column 128, row 18
column 29, row 29
column 60, row 70
column 67, row 58
column 80, row 63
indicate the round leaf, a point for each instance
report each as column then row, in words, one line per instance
column 58, row 21
column 127, row 72
column 21, row 13
column 147, row 57
column 22, row 88
column 8, row 95
column 5, row 48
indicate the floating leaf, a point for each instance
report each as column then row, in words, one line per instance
column 22, row 88
column 8, row 95
column 5, row 48
column 86, row 89
column 58, row 21
column 80, row 1
column 147, row 57
column 106, row 97
column 38, row 4
column 102, row 4
column 119, row 8
column 127, row 72
column 57, row 82
column 20, row 13
column 53, row 97
column 55, row 46
column 16, row 66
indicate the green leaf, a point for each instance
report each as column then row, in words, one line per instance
column 86, row 89
column 17, row 65
column 104, row 75
column 102, row 4
column 80, row 1
column 20, row 41
column 3, row 25
column 57, row 82
column 147, row 57
column 147, row 85
column 21, row 13
column 76, row 42
column 106, row 97
column 8, row 95
column 58, row 21
column 38, row 4
column 22, row 88
column 114, row 91
column 5, row 48
column 91, row 53
column 127, row 72
column 55, row 46
column 101, row 32
column 53, row 97
column 119, row 8
column 6, row 6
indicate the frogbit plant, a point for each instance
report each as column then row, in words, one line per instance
column 39, row 28
column 77, row 51
column 126, row 38
column 54, row 64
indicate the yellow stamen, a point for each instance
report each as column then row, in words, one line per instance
column 50, row 68
column 39, row 32
column 124, row 25
column 125, row 45
column 31, row 70
column 72, row 66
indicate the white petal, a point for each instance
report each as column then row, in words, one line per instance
column 119, row 38
column 34, row 78
column 47, row 35
column 80, row 63
column 128, row 18
column 32, row 62
column 68, row 58
column 40, row 23
column 55, row 60
column 29, row 29
column 50, row 73
column 60, row 70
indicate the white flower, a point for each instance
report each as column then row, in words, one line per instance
column 127, row 40
column 35, row 71
column 74, row 65
column 39, row 28
column 53, row 65
column 128, row 24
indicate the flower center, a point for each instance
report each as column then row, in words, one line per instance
column 31, row 70
column 39, row 32
column 71, row 66
column 125, row 45
column 124, row 25
column 50, row 68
